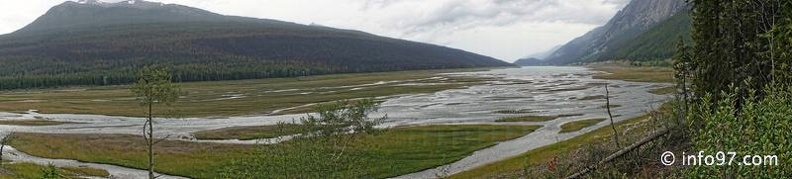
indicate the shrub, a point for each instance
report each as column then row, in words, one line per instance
column 761, row 126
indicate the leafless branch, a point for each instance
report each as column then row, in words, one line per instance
column 162, row 139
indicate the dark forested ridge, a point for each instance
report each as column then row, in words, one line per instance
column 104, row 44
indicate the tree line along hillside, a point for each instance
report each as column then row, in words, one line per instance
column 77, row 44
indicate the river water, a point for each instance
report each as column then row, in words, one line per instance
column 545, row 91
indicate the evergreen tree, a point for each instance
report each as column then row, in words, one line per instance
column 154, row 87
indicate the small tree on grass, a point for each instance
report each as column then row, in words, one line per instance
column 342, row 121
column 324, row 148
column 153, row 86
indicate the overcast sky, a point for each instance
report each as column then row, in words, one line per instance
column 504, row 29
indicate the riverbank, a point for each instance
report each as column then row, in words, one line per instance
column 537, row 161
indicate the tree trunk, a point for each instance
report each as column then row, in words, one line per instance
column 150, row 143
column 607, row 105
column 655, row 135
column 2, row 147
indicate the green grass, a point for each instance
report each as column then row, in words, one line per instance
column 522, row 111
column 533, row 118
column 576, row 88
column 611, row 106
column 408, row 150
column 31, row 170
column 577, row 125
column 86, row 171
column 593, row 97
column 663, row 90
column 635, row 74
column 542, row 155
column 234, row 98
column 394, row 152
column 248, row 132
column 32, row 122
column 172, row 157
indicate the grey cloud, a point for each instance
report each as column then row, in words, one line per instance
column 464, row 14
column 377, row 4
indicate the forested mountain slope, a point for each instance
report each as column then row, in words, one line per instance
column 95, row 43
column 608, row 42
column 658, row 43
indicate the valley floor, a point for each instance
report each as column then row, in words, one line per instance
column 428, row 93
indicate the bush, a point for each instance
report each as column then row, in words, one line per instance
column 757, row 127
column 50, row 172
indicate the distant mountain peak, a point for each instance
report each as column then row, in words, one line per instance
column 125, row 3
column 98, row 13
column 78, row 42
column 89, row 2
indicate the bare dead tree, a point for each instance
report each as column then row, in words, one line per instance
column 656, row 135
column 610, row 115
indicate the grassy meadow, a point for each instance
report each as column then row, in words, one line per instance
column 249, row 132
column 391, row 153
column 242, row 97
column 31, row 170
column 533, row 118
column 31, row 122
column 616, row 71
column 577, row 125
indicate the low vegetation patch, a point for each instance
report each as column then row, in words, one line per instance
column 240, row 97
column 31, row 170
column 198, row 160
column 663, row 90
column 611, row 106
column 635, row 74
column 576, row 88
column 577, row 125
column 593, row 97
column 32, row 122
column 533, row 118
column 522, row 111
column 249, row 132
column 86, row 171
column 391, row 153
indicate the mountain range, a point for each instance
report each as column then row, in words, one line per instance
column 643, row 30
column 90, row 42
